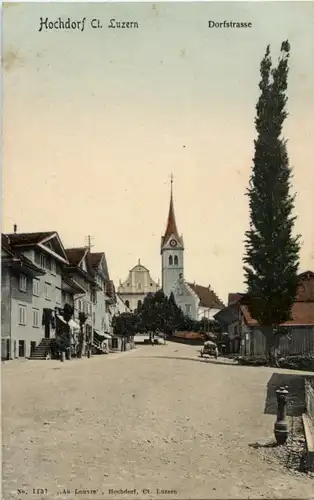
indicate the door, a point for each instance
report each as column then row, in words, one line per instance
column 46, row 322
column 8, row 349
column 47, row 331
column 33, row 346
column 21, row 348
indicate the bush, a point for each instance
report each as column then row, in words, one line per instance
column 298, row 362
column 303, row 362
column 256, row 360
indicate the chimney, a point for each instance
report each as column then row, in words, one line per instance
column 15, row 228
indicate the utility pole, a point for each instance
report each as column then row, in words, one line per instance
column 88, row 240
column 89, row 245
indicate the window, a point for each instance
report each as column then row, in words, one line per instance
column 48, row 263
column 47, row 291
column 53, row 267
column 188, row 308
column 36, row 318
column 176, row 262
column 36, row 287
column 151, row 284
column 94, row 298
column 23, row 283
column 42, row 261
column 170, row 260
column 22, row 314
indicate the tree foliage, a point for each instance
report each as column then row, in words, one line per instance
column 272, row 251
column 159, row 313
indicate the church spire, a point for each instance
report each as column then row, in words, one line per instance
column 171, row 228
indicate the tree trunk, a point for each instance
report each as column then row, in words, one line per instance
column 82, row 342
column 271, row 346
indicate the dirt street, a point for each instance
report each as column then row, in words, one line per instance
column 153, row 419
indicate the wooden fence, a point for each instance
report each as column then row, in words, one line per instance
column 309, row 399
column 299, row 340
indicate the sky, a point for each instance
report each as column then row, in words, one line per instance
column 95, row 121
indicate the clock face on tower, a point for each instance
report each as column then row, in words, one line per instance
column 173, row 243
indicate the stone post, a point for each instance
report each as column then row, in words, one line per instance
column 281, row 429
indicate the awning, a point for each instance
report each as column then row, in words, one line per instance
column 74, row 325
column 104, row 335
column 61, row 319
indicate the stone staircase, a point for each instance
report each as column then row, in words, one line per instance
column 41, row 350
column 97, row 347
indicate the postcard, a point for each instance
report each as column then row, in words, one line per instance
column 157, row 259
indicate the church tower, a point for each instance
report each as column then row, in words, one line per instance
column 172, row 251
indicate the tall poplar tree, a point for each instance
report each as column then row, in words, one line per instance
column 272, row 251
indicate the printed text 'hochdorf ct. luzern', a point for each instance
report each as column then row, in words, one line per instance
column 68, row 24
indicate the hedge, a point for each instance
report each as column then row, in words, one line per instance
column 303, row 362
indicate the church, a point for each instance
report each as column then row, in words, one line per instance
column 196, row 301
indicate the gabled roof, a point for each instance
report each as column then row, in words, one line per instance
column 207, row 296
column 76, row 255
column 39, row 239
column 95, row 258
column 171, row 229
column 18, row 239
column 17, row 257
column 302, row 312
column 98, row 262
column 234, row 297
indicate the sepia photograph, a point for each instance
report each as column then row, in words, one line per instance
column 157, row 250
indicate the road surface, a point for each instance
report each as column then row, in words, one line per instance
column 156, row 422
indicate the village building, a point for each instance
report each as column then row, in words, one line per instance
column 196, row 301
column 245, row 335
column 32, row 265
column 80, row 270
column 119, row 307
column 137, row 286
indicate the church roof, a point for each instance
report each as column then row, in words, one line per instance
column 207, row 296
column 171, row 228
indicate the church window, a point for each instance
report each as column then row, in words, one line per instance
column 188, row 308
column 127, row 303
column 170, row 260
column 176, row 262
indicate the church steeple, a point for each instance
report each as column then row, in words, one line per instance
column 171, row 229
column 172, row 251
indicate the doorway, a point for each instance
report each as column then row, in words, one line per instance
column 21, row 348
column 8, row 349
column 33, row 346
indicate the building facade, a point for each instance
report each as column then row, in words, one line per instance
column 137, row 286
column 245, row 334
column 32, row 266
column 103, row 300
column 196, row 301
